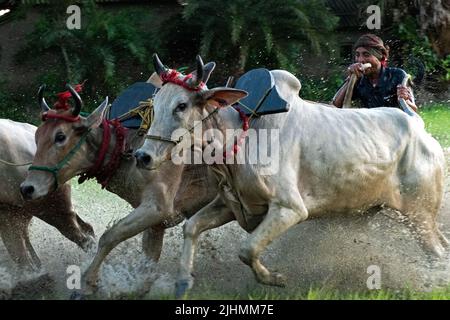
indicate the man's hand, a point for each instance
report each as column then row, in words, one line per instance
column 356, row 68
column 404, row 92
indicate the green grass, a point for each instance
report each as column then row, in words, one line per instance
column 437, row 122
column 326, row 294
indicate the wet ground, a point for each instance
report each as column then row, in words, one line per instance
column 331, row 253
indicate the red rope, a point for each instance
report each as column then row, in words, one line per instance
column 119, row 149
column 91, row 173
column 103, row 173
column 245, row 127
column 53, row 115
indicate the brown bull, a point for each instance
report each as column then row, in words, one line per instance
column 17, row 146
column 69, row 145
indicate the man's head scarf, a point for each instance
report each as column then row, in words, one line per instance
column 375, row 46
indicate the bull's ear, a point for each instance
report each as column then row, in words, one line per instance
column 221, row 97
column 155, row 80
column 94, row 120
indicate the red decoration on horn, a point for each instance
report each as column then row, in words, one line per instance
column 180, row 79
column 63, row 98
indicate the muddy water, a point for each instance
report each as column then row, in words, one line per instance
column 332, row 253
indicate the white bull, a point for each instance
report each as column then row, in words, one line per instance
column 331, row 161
column 17, row 146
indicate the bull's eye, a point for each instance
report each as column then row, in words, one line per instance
column 181, row 107
column 60, row 137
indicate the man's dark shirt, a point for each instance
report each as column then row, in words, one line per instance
column 384, row 94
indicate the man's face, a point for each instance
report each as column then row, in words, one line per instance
column 364, row 56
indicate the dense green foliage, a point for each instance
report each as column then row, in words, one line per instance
column 106, row 44
column 113, row 48
column 254, row 33
column 419, row 47
column 328, row 294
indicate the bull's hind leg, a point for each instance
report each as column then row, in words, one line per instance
column 421, row 201
column 427, row 232
column 278, row 220
column 214, row 215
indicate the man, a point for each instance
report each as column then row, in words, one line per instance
column 379, row 85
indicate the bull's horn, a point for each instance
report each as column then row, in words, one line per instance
column 199, row 76
column 157, row 64
column 209, row 67
column 78, row 103
column 41, row 99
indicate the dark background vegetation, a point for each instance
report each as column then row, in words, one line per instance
column 113, row 49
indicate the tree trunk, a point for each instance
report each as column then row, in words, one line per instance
column 434, row 18
column 67, row 63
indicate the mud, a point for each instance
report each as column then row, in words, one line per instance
column 330, row 253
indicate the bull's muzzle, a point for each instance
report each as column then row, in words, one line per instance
column 143, row 159
column 27, row 191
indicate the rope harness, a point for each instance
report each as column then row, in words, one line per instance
column 55, row 169
column 175, row 77
column 101, row 172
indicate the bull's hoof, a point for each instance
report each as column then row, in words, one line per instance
column 90, row 246
column 274, row 279
column 76, row 295
column 182, row 287
column 83, row 294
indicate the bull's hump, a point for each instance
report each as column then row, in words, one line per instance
column 17, row 138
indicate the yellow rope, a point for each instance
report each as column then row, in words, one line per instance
column 145, row 111
column 253, row 113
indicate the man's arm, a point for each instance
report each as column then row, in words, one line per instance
column 338, row 99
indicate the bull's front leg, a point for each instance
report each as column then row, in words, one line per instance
column 143, row 217
column 152, row 242
column 153, row 237
column 14, row 233
column 214, row 215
